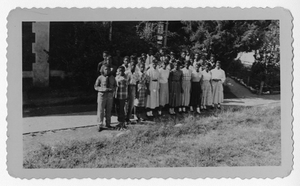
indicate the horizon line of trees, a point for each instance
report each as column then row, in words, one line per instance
column 77, row 46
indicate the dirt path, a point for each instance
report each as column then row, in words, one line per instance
column 247, row 98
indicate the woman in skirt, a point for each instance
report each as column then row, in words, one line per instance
column 153, row 97
column 206, row 98
column 163, row 87
column 196, row 89
column 175, row 89
column 142, row 92
column 218, row 78
column 186, row 86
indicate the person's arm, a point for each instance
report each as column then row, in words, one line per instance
column 223, row 78
column 201, row 77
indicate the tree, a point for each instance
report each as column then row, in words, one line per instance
column 227, row 38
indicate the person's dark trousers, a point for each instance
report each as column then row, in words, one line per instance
column 121, row 110
column 131, row 97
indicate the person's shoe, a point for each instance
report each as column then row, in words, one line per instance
column 150, row 114
column 179, row 110
column 100, row 127
column 159, row 113
column 219, row 106
column 198, row 110
column 170, row 111
column 191, row 109
column 183, row 109
column 109, row 126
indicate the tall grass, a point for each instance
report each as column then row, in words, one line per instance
column 231, row 137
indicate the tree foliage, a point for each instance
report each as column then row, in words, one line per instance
column 227, row 38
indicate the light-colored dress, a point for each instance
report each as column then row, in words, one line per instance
column 218, row 78
column 153, row 98
column 206, row 98
column 164, row 87
column 186, row 86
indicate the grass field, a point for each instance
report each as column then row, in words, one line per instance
column 234, row 136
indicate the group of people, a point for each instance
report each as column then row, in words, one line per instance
column 154, row 82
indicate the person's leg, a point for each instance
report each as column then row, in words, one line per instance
column 109, row 105
column 121, row 114
column 131, row 94
column 101, row 107
column 214, row 93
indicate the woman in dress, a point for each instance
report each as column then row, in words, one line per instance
column 206, row 98
column 175, row 89
column 196, row 89
column 153, row 97
column 163, row 87
column 218, row 78
column 186, row 86
column 142, row 92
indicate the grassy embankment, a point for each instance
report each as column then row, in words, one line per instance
column 231, row 137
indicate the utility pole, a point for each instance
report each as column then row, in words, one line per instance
column 166, row 34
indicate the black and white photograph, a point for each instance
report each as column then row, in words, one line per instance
column 152, row 93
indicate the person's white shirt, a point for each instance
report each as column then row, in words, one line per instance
column 206, row 75
column 196, row 76
column 218, row 74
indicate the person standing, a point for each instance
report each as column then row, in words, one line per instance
column 153, row 97
column 186, row 86
column 126, row 63
column 175, row 88
column 212, row 61
column 196, row 89
column 218, row 78
column 132, row 78
column 206, row 98
column 196, row 60
column 150, row 58
column 172, row 56
column 187, row 55
column 163, row 87
column 142, row 92
column 162, row 54
column 182, row 58
column 144, row 57
column 105, row 85
column 121, row 96
column 105, row 56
